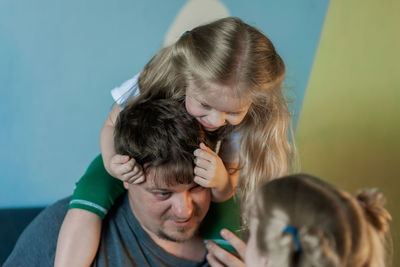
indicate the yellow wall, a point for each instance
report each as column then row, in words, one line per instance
column 349, row 127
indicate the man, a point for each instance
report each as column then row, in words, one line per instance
column 155, row 223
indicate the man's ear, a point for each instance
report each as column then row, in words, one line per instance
column 126, row 185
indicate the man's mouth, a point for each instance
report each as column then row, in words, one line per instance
column 181, row 223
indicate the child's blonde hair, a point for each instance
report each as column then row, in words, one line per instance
column 333, row 227
column 229, row 52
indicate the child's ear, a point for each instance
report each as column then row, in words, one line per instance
column 126, row 185
column 266, row 262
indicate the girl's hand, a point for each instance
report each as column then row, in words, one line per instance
column 218, row 256
column 126, row 169
column 210, row 171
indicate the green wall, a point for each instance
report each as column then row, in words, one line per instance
column 349, row 127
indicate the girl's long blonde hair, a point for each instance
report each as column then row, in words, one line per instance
column 333, row 227
column 231, row 53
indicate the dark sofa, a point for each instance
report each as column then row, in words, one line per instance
column 12, row 223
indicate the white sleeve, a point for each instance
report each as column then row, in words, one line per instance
column 126, row 91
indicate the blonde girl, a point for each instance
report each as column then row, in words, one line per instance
column 229, row 74
column 300, row 220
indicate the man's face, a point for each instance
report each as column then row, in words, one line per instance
column 171, row 213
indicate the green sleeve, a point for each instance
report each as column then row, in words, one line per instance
column 96, row 190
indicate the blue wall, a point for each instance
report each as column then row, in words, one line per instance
column 58, row 61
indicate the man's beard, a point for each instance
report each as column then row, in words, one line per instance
column 161, row 234
column 187, row 232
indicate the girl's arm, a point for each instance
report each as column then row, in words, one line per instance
column 79, row 235
column 107, row 137
column 233, row 176
column 78, row 239
column 118, row 166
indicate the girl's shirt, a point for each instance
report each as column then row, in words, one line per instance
column 130, row 89
column 126, row 91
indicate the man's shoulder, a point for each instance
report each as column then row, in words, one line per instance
column 51, row 217
column 37, row 243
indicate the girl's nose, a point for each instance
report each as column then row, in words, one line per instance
column 217, row 119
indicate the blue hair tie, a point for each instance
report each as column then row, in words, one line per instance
column 293, row 231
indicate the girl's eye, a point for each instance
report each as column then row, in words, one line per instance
column 205, row 106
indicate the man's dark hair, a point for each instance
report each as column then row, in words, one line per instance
column 160, row 133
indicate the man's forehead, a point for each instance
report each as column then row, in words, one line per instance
column 163, row 178
column 152, row 184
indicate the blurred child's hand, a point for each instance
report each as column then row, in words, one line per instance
column 218, row 256
column 210, row 171
column 126, row 169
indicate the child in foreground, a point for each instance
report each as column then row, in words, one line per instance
column 300, row 220
column 229, row 74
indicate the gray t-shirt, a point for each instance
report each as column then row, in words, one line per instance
column 123, row 241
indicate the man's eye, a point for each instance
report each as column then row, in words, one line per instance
column 197, row 188
column 161, row 195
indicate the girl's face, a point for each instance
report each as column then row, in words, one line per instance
column 216, row 107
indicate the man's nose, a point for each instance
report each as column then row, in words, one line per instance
column 183, row 206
